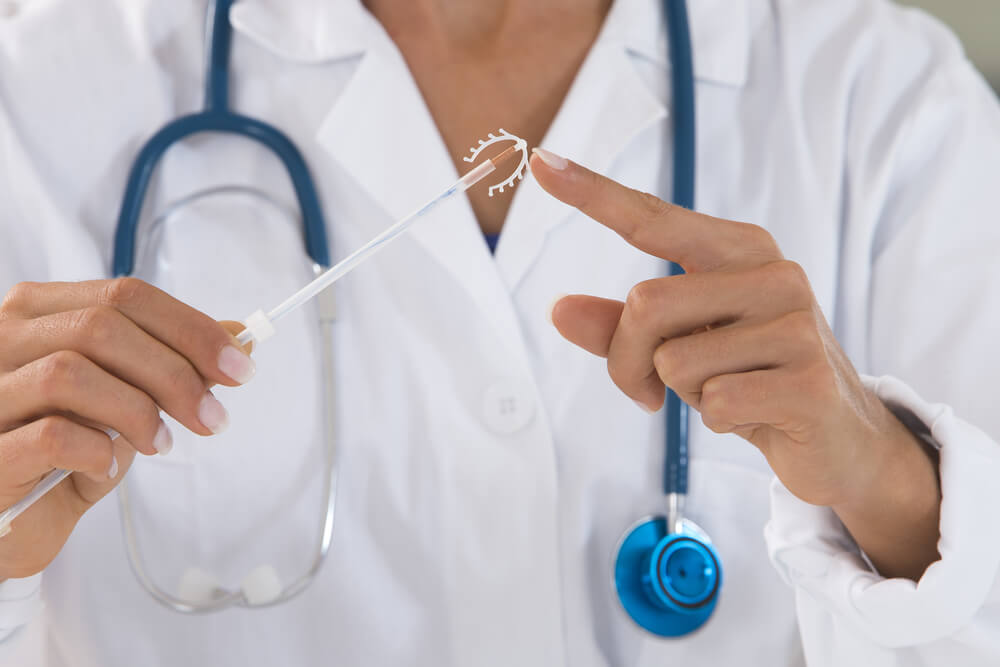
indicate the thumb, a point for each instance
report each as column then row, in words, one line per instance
column 587, row 321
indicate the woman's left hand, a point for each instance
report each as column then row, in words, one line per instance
column 740, row 338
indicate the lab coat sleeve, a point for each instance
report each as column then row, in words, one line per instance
column 849, row 613
column 919, row 309
column 20, row 601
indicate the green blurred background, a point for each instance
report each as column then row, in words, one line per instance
column 977, row 23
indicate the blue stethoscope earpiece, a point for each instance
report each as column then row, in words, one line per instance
column 668, row 583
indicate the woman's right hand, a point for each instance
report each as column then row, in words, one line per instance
column 78, row 357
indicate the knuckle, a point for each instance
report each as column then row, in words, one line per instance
column 59, row 371
column 791, row 274
column 185, row 381
column 758, row 238
column 670, row 364
column 651, row 211
column 801, row 325
column 715, row 399
column 53, row 433
column 195, row 341
column 714, row 425
column 652, row 207
column 761, row 236
column 642, row 299
column 594, row 185
column 149, row 418
column 97, row 324
column 18, row 297
column 713, row 410
column 125, row 290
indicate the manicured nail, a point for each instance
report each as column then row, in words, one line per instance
column 552, row 305
column 163, row 441
column 113, row 470
column 554, row 161
column 212, row 414
column 645, row 408
column 236, row 365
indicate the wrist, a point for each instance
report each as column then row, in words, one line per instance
column 893, row 512
column 893, row 465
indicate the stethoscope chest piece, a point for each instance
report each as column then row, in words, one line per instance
column 668, row 583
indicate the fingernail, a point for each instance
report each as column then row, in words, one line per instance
column 236, row 365
column 645, row 408
column 552, row 305
column 163, row 441
column 113, row 470
column 212, row 414
column 554, row 161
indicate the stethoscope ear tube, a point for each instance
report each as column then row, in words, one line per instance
column 667, row 573
column 262, row 587
column 217, row 117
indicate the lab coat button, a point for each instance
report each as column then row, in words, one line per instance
column 507, row 407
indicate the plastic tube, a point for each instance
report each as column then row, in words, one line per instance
column 260, row 325
column 49, row 482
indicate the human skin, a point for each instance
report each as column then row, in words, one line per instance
column 742, row 340
column 478, row 64
column 485, row 65
column 77, row 356
column 766, row 366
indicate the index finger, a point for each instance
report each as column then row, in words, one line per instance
column 193, row 334
column 696, row 241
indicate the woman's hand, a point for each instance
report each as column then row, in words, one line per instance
column 741, row 339
column 78, row 357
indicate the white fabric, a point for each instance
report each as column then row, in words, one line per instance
column 20, row 601
column 836, row 587
column 489, row 467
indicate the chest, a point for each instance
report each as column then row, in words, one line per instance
column 515, row 76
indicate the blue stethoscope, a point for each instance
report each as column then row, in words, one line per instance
column 667, row 573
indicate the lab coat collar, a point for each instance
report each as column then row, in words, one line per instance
column 720, row 37
column 382, row 135
column 607, row 107
column 305, row 31
column 312, row 31
column 381, row 132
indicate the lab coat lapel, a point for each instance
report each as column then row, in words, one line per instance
column 608, row 106
column 720, row 38
column 305, row 31
column 383, row 136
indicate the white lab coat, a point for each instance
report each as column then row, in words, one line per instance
column 488, row 467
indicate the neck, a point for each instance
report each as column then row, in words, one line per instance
column 482, row 64
column 480, row 24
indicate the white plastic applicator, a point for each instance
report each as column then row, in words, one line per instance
column 260, row 325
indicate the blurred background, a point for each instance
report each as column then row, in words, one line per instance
column 977, row 23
